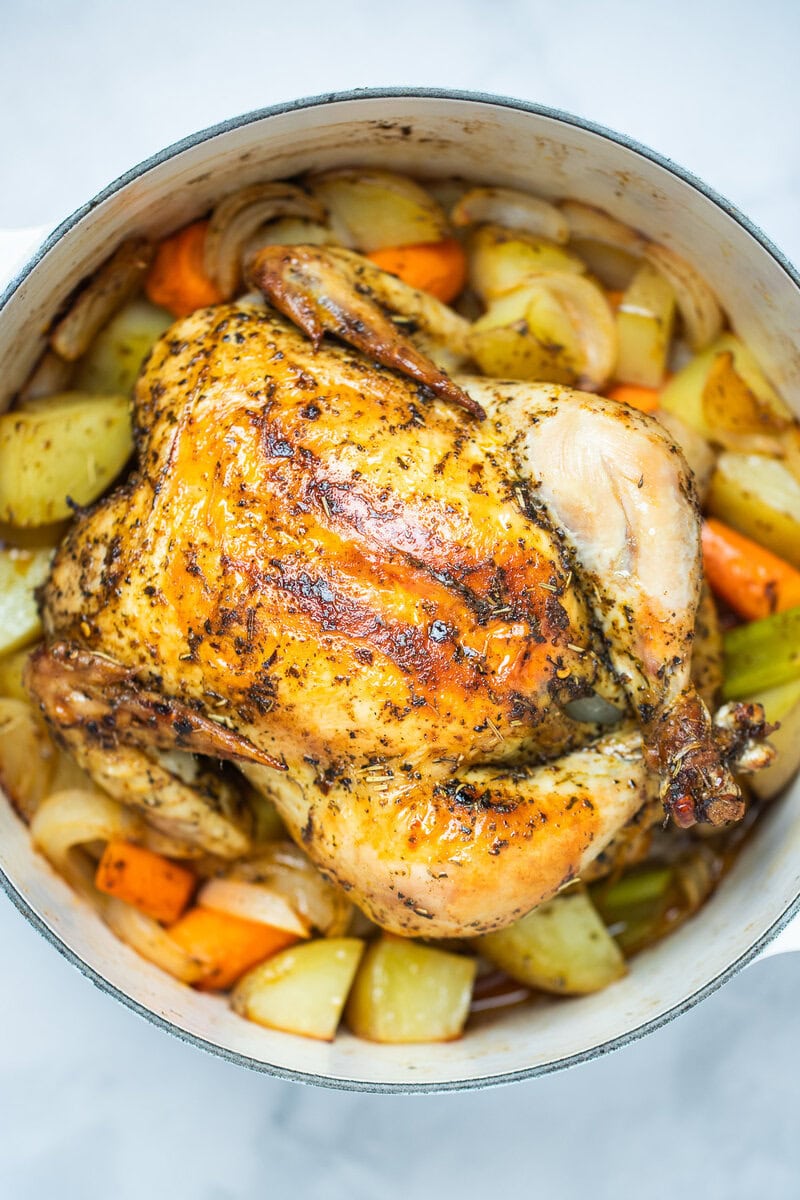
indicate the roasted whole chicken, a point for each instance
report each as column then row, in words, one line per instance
column 398, row 600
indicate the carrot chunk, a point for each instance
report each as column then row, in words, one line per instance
column 228, row 945
column 753, row 581
column 177, row 279
column 148, row 881
column 436, row 267
column 644, row 398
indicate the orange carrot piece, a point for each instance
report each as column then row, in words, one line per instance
column 148, row 881
column 177, row 279
column 436, row 267
column 615, row 298
column 644, row 398
column 228, row 945
column 752, row 580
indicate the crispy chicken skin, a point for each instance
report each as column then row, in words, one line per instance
column 382, row 605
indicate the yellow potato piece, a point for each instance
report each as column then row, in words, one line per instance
column 562, row 946
column 303, row 989
column 760, row 497
column 371, row 209
column 557, row 327
column 724, row 396
column 781, row 704
column 525, row 334
column 112, row 363
column 66, row 452
column 407, row 992
column 644, row 327
column 513, row 353
column 21, row 572
column 12, row 667
column 502, row 259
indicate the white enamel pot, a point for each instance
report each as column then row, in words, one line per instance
column 504, row 142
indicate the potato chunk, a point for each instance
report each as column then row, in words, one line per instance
column 502, row 259
column 21, row 572
column 303, row 989
column 526, row 334
column 369, row 209
column 781, row 704
column 65, row 453
column 760, row 497
column 406, row 992
column 12, row 669
column 557, row 327
column 115, row 357
column 644, row 327
column 724, row 396
column 562, row 946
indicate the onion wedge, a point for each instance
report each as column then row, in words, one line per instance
column 282, row 868
column 592, row 224
column 148, row 938
column 513, row 210
column 287, row 231
column 66, row 821
column 236, row 219
column 51, row 374
column 115, row 282
column 27, row 757
column 702, row 317
column 253, row 902
column 593, row 320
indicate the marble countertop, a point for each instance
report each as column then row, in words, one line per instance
column 97, row 1103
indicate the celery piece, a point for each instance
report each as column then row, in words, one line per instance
column 633, row 907
column 761, row 655
column 634, row 887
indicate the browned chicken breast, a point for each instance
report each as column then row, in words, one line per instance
column 383, row 608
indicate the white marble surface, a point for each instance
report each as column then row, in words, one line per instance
column 96, row 1103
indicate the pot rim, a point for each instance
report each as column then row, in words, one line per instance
column 16, row 897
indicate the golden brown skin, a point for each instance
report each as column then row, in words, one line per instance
column 353, row 579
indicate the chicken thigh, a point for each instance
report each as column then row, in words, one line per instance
column 383, row 609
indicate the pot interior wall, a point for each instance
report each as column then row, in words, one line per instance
column 503, row 145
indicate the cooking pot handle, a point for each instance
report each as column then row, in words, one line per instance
column 16, row 246
column 787, row 940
